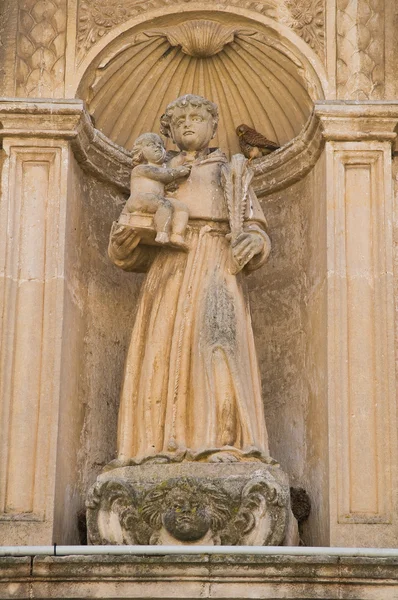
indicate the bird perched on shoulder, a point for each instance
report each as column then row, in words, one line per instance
column 253, row 144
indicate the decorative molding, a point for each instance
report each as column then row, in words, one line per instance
column 201, row 576
column 348, row 120
column 41, row 46
column 292, row 162
column 109, row 162
column 136, row 505
column 8, row 25
column 106, row 160
column 308, row 21
column 360, row 49
column 40, row 118
column 96, row 18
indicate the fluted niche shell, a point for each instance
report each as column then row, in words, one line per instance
column 200, row 38
column 252, row 75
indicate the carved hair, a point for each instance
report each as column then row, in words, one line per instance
column 210, row 496
column 183, row 102
column 137, row 153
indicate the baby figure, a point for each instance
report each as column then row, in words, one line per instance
column 148, row 180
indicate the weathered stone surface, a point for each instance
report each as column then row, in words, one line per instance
column 235, row 504
column 191, row 577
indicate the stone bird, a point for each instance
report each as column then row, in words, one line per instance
column 253, row 144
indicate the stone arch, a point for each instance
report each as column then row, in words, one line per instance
column 257, row 69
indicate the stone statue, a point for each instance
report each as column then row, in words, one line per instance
column 193, row 464
column 192, row 388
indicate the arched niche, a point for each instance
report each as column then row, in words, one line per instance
column 257, row 71
column 284, row 295
column 252, row 70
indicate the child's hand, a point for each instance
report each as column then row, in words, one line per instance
column 183, row 171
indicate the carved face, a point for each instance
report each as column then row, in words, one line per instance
column 185, row 516
column 153, row 150
column 192, row 128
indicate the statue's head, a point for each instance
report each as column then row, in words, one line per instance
column 190, row 121
column 148, row 147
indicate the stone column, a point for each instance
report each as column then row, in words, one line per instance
column 35, row 376
column 360, row 322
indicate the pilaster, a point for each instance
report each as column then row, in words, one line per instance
column 360, row 321
column 33, row 236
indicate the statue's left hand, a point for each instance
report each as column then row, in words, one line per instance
column 123, row 240
column 245, row 246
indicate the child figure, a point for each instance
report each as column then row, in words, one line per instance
column 148, row 180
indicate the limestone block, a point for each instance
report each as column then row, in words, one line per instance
column 243, row 504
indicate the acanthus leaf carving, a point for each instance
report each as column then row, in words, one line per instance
column 98, row 17
column 307, row 18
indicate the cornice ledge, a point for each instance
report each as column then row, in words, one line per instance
column 292, row 162
column 344, row 120
column 20, row 117
column 111, row 163
column 68, row 120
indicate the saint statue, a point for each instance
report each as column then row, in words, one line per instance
column 191, row 388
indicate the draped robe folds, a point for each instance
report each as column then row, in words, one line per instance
column 191, row 385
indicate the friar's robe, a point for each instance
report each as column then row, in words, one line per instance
column 191, row 385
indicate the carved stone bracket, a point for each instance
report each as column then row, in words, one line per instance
column 165, row 504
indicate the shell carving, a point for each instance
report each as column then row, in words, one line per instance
column 200, row 38
column 253, row 77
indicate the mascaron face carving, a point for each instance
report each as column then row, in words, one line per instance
column 186, row 508
column 189, row 510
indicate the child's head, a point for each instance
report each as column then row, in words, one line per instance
column 148, row 147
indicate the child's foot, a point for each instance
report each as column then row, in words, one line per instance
column 178, row 240
column 162, row 237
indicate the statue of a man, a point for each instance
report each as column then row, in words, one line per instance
column 191, row 387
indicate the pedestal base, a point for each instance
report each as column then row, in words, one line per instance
column 206, row 504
